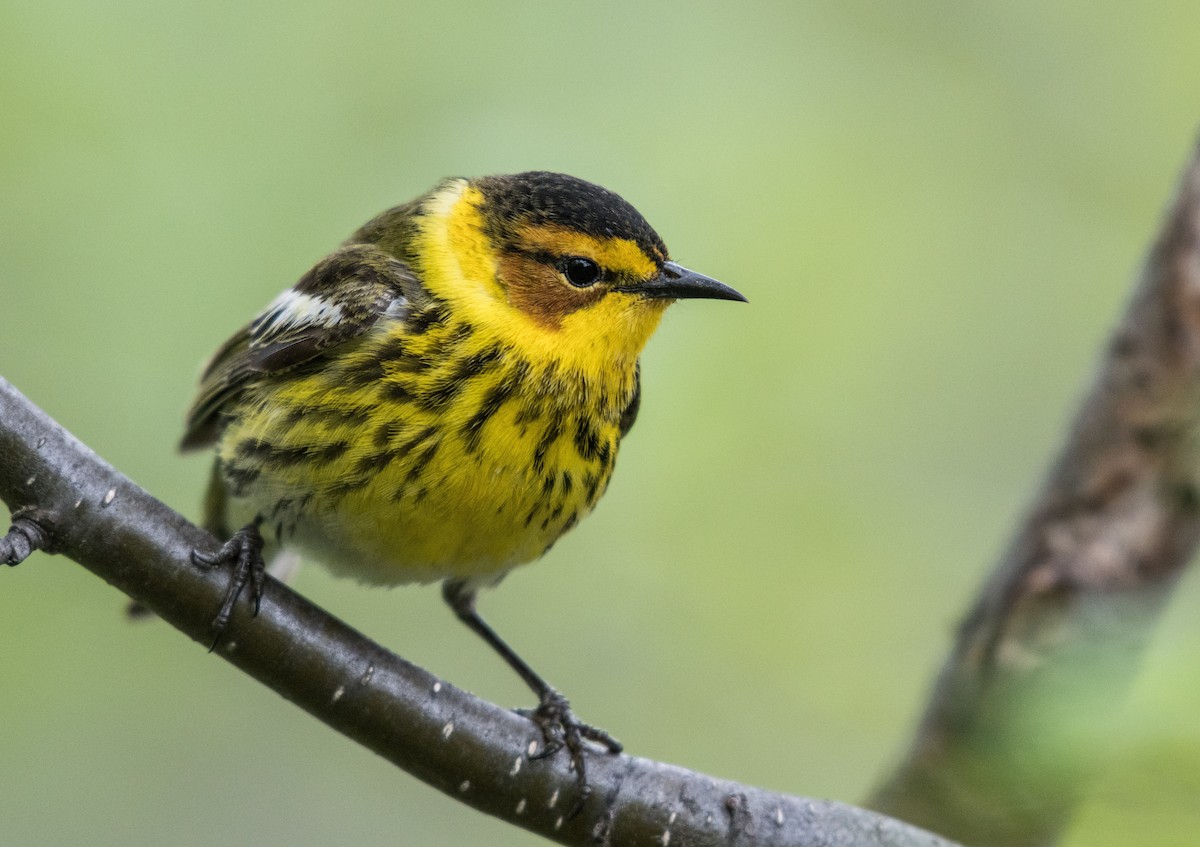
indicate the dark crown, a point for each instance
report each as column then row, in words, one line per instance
column 542, row 197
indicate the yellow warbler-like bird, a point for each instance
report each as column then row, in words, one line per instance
column 442, row 397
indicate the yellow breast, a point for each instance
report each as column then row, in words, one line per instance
column 413, row 457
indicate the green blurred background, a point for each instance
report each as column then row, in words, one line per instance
column 935, row 209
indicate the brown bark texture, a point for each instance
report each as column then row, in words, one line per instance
column 1024, row 708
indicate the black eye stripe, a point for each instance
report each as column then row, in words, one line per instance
column 559, row 263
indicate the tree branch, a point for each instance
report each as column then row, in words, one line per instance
column 1015, row 723
column 66, row 500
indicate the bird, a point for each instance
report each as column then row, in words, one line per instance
column 440, row 398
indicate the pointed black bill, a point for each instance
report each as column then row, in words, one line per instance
column 676, row 282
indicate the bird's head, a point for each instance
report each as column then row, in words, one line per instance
column 553, row 260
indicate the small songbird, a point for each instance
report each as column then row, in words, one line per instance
column 442, row 397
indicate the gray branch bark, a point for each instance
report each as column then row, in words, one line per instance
column 67, row 500
column 1017, row 721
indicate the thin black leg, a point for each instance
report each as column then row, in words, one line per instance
column 560, row 728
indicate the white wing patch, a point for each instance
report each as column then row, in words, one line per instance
column 397, row 309
column 292, row 311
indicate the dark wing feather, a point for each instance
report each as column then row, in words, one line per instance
column 342, row 297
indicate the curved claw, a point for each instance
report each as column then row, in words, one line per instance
column 561, row 729
column 243, row 554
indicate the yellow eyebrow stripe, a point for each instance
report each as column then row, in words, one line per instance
column 615, row 254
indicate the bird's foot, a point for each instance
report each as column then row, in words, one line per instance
column 561, row 729
column 243, row 554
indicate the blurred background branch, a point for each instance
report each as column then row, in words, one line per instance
column 1024, row 710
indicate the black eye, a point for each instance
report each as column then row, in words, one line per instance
column 580, row 271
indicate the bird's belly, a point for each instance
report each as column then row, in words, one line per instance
column 473, row 522
column 438, row 508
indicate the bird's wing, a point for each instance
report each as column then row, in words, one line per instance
column 342, row 297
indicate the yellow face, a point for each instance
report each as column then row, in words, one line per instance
column 543, row 285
